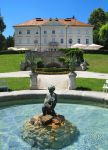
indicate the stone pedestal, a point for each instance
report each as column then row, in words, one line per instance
column 72, row 80
column 33, row 81
column 49, row 132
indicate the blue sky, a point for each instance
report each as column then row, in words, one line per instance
column 18, row 11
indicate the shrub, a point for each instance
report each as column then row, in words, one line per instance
column 53, row 65
column 52, row 70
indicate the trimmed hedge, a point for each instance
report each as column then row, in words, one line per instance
column 52, row 70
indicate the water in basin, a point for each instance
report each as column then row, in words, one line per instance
column 92, row 122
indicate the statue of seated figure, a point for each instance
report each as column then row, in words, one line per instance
column 50, row 102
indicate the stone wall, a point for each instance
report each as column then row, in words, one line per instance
column 48, row 57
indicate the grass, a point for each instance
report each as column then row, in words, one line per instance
column 17, row 83
column 10, row 62
column 98, row 62
column 89, row 84
column 82, row 84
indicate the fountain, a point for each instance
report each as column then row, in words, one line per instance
column 92, row 122
column 49, row 130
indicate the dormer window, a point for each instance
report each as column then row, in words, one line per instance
column 28, row 31
column 53, row 31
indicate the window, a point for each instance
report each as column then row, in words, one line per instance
column 36, row 32
column 45, row 32
column 69, row 31
column 53, row 39
column 62, row 41
column 28, row 31
column 70, row 41
column 35, row 41
column 78, row 41
column 87, row 31
column 87, row 41
column 78, row 31
column 28, row 40
column 20, row 40
column 61, row 31
column 20, row 32
column 45, row 40
column 53, row 31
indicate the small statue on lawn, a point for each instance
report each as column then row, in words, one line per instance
column 50, row 102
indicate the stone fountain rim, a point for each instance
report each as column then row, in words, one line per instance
column 98, row 97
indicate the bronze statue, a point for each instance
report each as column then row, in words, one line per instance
column 50, row 102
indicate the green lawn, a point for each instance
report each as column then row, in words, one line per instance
column 98, row 62
column 10, row 62
column 89, row 84
column 17, row 83
column 82, row 83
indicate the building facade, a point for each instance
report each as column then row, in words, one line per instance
column 52, row 34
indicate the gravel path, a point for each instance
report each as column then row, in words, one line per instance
column 83, row 74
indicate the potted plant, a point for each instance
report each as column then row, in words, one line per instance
column 72, row 57
column 32, row 61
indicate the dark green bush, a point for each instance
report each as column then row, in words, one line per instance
column 53, row 70
column 53, row 65
column 40, row 64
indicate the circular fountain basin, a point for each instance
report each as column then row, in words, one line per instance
column 92, row 122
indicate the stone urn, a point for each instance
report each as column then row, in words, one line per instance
column 72, row 81
column 33, row 81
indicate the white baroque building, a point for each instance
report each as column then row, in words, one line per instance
column 51, row 34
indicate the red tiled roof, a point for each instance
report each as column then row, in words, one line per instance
column 39, row 21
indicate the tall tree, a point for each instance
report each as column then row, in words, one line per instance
column 97, row 18
column 2, row 38
column 2, row 42
column 103, row 35
column 9, row 41
column 106, row 16
column 2, row 24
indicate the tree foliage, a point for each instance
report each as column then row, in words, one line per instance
column 97, row 18
column 2, row 42
column 2, row 25
column 103, row 35
column 106, row 17
column 72, row 57
column 2, row 38
column 9, row 41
